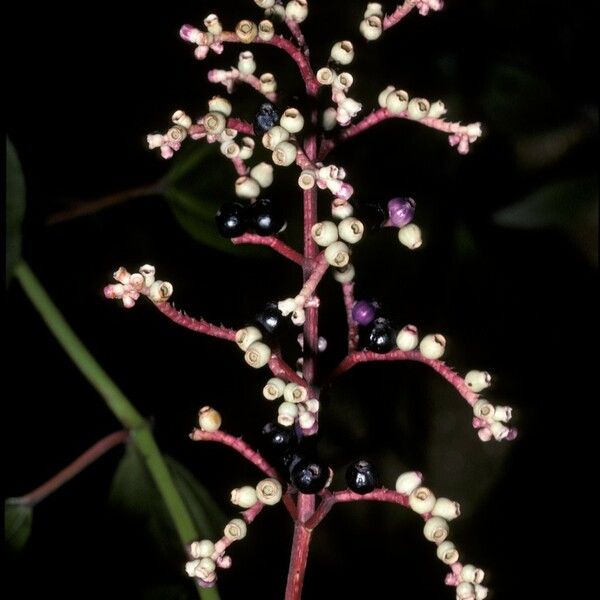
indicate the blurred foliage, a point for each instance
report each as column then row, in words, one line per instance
column 15, row 208
column 17, row 525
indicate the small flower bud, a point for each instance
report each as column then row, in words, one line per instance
column 342, row 52
column 263, row 173
column 209, row 419
column 202, row 549
column 481, row 592
column 351, row 230
column 228, row 135
column 137, row 282
column 155, row 140
column 306, row 420
column 478, row 380
column 482, row 409
column 246, row 336
column 274, row 388
column 344, row 274
column 383, row 96
column 275, row 136
column 447, row 553
column 246, row 63
column 160, row 291
column 329, row 119
column 206, row 568
column 147, row 272
column 471, row 574
column 433, row 346
column 436, row 530
column 437, row 110
column 295, row 393
column 269, row 491
column 277, row 11
column 247, row 187
column 422, row 500
column 296, row 10
column 264, row 3
column 266, row 30
column 247, row 148
column 191, row 566
column 292, row 120
column 503, row 413
column 337, row 254
column 324, row 233
column 447, row 509
column 312, row 405
column 298, row 316
column 325, row 76
column 407, row 338
column 230, row 149
column 236, row 529
column 287, row 413
column 268, row 83
column 343, row 81
column 246, row 31
column 181, row 119
column 284, row 154
column 374, row 9
column 371, row 28
column 485, row 435
column 214, row 122
column 257, row 355
column 287, row 306
column 499, row 430
column 176, row 134
column 307, row 180
column 351, row 107
column 408, row 482
column 418, row 108
column 410, row 236
column 244, row 496
column 213, row 24
column 465, row 591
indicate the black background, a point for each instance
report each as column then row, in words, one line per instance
column 85, row 85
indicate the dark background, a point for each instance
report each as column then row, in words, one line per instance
column 512, row 290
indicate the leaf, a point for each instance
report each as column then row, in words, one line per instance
column 133, row 492
column 17, row 524
column 15, row 208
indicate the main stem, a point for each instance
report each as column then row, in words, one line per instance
column 306, row 502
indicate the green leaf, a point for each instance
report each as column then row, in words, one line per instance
column 133, row 492
column 15, row 208
column 17, row 524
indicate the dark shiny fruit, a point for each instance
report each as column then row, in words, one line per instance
column 267, row 116
column 265, row 217
column 361, row 477
column 231, row 219
column 278, row 440
column 270, row 319
column 382, row 337
column 309, row 477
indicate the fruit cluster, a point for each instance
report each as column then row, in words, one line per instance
column 262, row 217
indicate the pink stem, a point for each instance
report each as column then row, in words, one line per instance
column 300, row 547
column 273, row 243
column 329, row 499
column 395, row 355
column 400, row 12
column 240, row 166
column 382, row 114
column 228, row 78
column 310, row 285
column 77, row 466
column 348, row 291
column 310, row 81
column 240, row 125
column 295, row 30
column 280, row 368
column 200, row 326
column 236, row 444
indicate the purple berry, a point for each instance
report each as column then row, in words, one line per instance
column 364, row 312
column 401, row 211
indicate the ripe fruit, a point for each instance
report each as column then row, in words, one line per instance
column 361, row 477
column 266, row 118
column 309, row 477
column 270, row 318
column 382, row 337
column 401, row 211
column 231, row 219
column 265, row 217
column 363, row 312
column 278, row 439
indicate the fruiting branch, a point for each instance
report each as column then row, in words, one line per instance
column 272, row 242
column 197, row 325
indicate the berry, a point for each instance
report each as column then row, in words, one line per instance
column 401, row 211
column 309, row 477
column 372, row 215
column 278, row 440
column 231, row 219
column 363, row 312
column 271, row 318
column 265, row 218
column 266, row 118
column 361, row 477
column 382, row 337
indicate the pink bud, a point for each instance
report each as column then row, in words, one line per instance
column 200, row 52
column 189, row 33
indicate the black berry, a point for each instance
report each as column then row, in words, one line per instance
column 266, row 118
column 231, row 219
column 361, row 477
column 309, row 477
column 270, row 319
column 278, row 440
column 265, row 217
column 382, row 337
